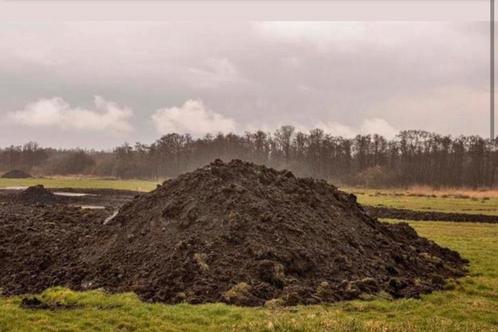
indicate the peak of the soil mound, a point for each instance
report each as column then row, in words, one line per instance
column 16, row 174
column 36, row 194
column 246, row 234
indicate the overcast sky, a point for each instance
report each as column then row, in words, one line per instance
column 99, row 84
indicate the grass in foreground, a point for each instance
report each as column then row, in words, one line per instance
column 470, row 305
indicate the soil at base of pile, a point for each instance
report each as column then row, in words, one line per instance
column 246, row 234
column 40, row 245
column 16, row 174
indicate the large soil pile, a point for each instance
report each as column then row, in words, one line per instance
column 245, row 234
column 16, row 174
column 36, row 194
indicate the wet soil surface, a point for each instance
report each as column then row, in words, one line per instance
column 384, row 212
column 229, row 232
column 108, row 198
column 40, row 245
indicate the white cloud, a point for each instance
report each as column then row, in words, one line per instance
column 192, row 117
column 368, row 126
column 55, row 112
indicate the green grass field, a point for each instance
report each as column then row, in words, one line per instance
column 470, row 304
column 457, row 201
column 60, row 182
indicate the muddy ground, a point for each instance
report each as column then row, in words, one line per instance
column 39, row 245
column 235, row 233
column 229, row 232
column 110, row 199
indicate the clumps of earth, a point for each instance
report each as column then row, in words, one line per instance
column 40, row 245
column 16, row 174
column 36, row 195
column 250, row 235
column 232, row 232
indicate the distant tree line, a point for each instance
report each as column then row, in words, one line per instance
column 413, row 157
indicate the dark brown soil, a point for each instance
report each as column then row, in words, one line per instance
column 231, row 232
column 109, row 198
column 245, row 234
column 385, row 212
column 16, row 174
column 36, row 195
column 40, row 245
column 33, row 303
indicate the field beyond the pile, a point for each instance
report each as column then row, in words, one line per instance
column 82, row 183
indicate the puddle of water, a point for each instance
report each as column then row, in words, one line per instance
column 66, row 194
column 92, row 207
column 14, row 188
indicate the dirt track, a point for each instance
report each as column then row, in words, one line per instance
column 405, row 214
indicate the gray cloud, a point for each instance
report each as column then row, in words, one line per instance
column 347, row 77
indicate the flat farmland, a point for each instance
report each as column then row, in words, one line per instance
column 83, row 183
column 459, row 201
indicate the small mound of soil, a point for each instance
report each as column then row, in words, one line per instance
column 36, row 195
column 247, row 234
column 16, row 174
